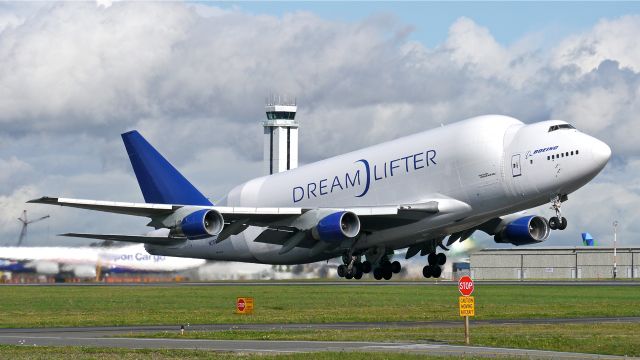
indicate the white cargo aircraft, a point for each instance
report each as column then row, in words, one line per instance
column 413, row 192
column 83, row 262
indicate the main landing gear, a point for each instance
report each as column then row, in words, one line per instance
column 557, row 222
column 434, row 269
column 386, row 269
column 354, row 268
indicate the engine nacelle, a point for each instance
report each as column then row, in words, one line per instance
column 200, row 224
column 337, row 227
column 524, row 231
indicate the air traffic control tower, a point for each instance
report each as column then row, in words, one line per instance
column 280, row 135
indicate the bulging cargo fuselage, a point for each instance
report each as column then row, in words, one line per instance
column 476, row 170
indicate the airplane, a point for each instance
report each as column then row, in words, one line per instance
column 82, row 262
column 413, row 192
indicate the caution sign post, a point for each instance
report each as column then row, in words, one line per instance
column 244, row 305
column 467, row 306
column 466, row 303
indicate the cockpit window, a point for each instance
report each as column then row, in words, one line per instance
column 560, row 126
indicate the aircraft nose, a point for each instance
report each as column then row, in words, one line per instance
column 601, row 152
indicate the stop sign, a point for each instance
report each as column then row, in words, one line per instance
column 465, row 285
column 240, row 305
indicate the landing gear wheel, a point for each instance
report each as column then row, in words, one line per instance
column 358, row 275
column 366, row 267
column 396, row 267
column 563, row 224
column 432, row 258
column 342, row 270
column 348, row 275
column 385, row 265
column 387, row 274
column 558, row 222
column 442, row 259
column 436, row 271
column 377, row 273
column 426, row 271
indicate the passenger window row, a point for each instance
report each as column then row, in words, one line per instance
column 567, row 154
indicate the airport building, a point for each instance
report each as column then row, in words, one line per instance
column 584, row 262
column 280, row 135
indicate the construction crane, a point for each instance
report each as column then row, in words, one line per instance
column 25, row 221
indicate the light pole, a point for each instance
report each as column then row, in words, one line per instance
column 615, row 265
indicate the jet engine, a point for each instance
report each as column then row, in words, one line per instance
column 200, row 224
column 337, row 227
column 524, row 231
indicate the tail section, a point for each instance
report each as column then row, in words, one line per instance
column 159, row 181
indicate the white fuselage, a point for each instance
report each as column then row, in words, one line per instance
column 495, row 164
column 84, row 261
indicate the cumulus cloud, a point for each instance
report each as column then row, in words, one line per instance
column 192, row 78
column 610, row 39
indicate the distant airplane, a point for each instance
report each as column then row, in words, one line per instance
column 412, row 192
column 82, row 262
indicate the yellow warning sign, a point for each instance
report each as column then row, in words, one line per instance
column 467, row 306
column 244, row 305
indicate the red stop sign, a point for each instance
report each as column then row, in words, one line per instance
column 240, row 305
column 465, row 286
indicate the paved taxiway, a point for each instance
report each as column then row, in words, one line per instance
column 99, row 331
column 117, row 337
column 256, row 346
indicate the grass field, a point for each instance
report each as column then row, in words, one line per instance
column 126, row 305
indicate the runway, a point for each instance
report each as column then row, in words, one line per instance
column 120, row 337
column 353, row 283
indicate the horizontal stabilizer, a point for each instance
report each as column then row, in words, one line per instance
column 129, row 238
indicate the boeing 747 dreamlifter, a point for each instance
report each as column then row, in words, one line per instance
column 413, row 192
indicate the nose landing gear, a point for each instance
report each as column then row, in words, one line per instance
column 558, row 222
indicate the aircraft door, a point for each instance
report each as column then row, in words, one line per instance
column 515, row 165
column 516, row 182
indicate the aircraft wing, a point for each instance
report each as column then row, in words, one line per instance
column 281, row 221
column 137, row 209
column 153, row 210
column 263, row 216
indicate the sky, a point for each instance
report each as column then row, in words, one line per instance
column 192, row 78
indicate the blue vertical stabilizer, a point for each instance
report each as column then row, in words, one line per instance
column 159, row 181
column 587, row 239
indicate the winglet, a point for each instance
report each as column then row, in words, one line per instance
column 159, row 181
